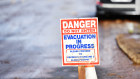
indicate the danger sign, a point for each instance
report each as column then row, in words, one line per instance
column 80, row 41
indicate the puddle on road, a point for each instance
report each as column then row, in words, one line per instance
column 64, row 73
column 4, row 62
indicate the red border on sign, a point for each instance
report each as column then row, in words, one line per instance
column 91, row 63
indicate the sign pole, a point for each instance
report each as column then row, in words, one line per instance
column 81, row 72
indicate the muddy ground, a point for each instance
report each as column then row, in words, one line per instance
column 114, row 63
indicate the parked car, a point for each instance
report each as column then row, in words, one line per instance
column 128, row 7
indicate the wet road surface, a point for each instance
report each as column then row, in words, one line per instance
column 30, row 41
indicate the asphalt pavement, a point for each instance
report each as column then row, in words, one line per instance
column 30, row 41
